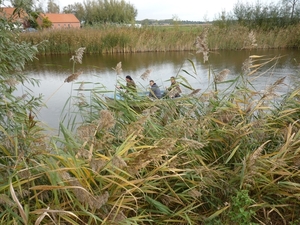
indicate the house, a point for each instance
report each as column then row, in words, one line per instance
column 60, row 20
column 20, row 19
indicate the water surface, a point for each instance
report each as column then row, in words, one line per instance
column 97, row 70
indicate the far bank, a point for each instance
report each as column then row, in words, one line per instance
column 115, row 39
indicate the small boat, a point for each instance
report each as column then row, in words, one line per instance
column 141, row 101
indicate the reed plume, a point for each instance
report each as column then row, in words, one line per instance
column 72, row 77
column 12, row 82
column 118, row 162
column 270, row 91
column 5, row 200
column 247, row 65
column 252, row 39
column 107, row 120
column 150, row 111
column 201, row 45
column 172, row 92
column 194, row 92
column 146, row 74
column 77, row 58
column 81, row 87
column 249, row 165
column 82, row 195
column 222, row 75
column 118, row 68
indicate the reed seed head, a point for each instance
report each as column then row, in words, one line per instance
column 11, row 82
column 252, row 39
column 107, row 120
column 98, row 201
column 118, row 68
column 118, row 162
column 222, row 75
column 201, row 45
column 194, row 92
column 72, row 77
column 270, row 91
column 77, row 58
column 5, row 200
column 247, row 64
column 146, row 74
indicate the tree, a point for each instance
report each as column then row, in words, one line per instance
column 46, row 23
column 291, row 6
column 77, row 9
column 109, row 11
column 267, row 16
column 15, row 112
column 52, row 7
column 25, row 5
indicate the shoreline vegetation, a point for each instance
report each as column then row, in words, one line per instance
column 213, row 157
column 120, row 39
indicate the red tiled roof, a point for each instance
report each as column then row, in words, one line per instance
column 61, row 18
column 8, row 12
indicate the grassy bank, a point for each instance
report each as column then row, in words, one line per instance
column 177, row 38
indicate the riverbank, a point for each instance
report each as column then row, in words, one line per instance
column 110, row 40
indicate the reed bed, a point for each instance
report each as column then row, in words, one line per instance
column 109, row 40
column 215, row 156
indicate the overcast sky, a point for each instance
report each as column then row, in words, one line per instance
column 194, row 10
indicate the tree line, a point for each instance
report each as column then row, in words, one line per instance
column 92, row 12
column 262, row 15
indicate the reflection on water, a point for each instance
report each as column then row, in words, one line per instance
column 97, row 71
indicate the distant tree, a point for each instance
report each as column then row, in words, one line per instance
column 267, row 16
column 109, row 11
column 46, row 23
column 77, row 9
column 291, row 6
column 26, row 5
column 176, row 20
column 39, row 7
column 33, row 19
column 52, row 7
column 224, row 20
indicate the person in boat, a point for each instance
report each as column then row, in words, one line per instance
column 174, row 90
column 130, row 85
column 154, row 90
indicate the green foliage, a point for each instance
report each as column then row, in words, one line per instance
column 239, row 212
column 33, row 19
column 109, row 11
column 266, row 17
column 77, row 9
column 46, row 23
column 17, row 113
column 52, row 7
